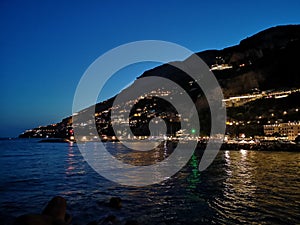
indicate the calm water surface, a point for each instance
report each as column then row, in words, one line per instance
column 239, row 187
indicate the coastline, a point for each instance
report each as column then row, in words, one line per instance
column 255, row 146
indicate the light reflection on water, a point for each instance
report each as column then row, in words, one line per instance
column 239, row 187
column 265, row 185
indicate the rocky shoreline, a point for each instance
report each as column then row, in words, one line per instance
column 55, row 213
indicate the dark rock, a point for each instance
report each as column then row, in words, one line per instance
column 56, row 208
column 115, row 202
column 53, row 214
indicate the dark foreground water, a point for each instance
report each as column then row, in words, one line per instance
column 239, row 187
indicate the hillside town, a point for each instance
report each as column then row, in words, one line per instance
column 270, row 129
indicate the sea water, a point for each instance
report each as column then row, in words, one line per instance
column 252, row 187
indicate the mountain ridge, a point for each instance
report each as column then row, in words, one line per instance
column 250, row 61
column 267, row 60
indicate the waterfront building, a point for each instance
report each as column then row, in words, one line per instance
column 290, row 130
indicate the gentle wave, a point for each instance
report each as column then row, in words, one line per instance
column 239, row 187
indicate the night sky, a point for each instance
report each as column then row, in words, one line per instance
column 45, row 46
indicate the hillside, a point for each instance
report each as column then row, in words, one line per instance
column 266, row 61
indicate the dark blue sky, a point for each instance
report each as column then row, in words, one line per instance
column 45, row 46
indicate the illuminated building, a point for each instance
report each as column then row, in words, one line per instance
column 290, row 130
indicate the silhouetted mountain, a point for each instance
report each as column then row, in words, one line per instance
column 267, row 60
